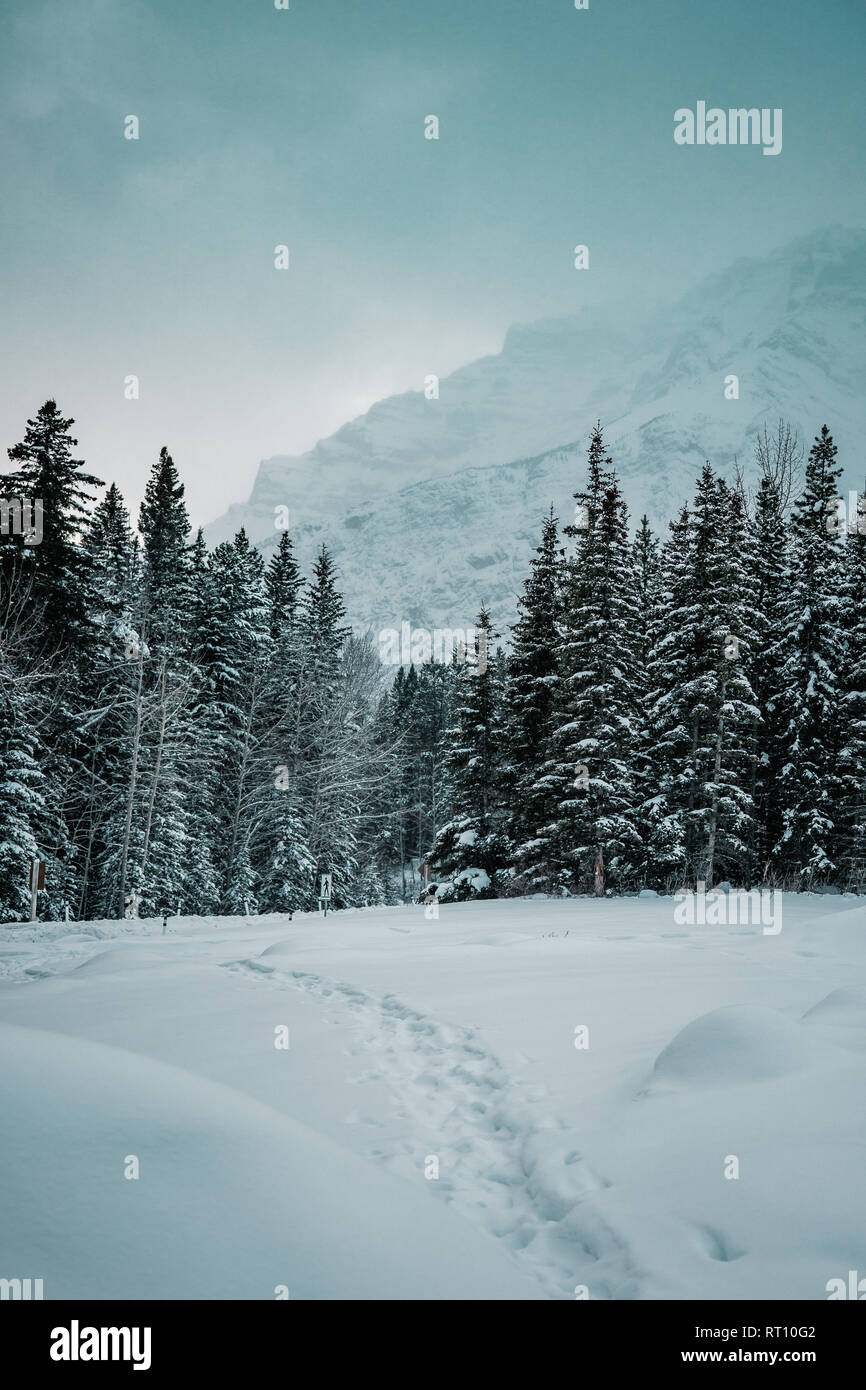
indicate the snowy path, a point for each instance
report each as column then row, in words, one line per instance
column 515, row 1173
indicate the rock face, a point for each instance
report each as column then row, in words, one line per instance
column 433, row 506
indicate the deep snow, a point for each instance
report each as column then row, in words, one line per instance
column 454, row 1041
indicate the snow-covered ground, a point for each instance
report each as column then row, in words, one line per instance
column 458, row 1043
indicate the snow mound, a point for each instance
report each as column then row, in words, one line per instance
column 233, row 1199
column 281, row 948
column 734, row 1044
column 841, row 1008
column 123, row 955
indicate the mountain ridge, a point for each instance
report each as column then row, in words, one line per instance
column 432, row 506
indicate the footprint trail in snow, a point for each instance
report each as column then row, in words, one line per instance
column 522, row 1179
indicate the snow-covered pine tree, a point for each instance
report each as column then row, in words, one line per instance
column 162, row 809
column 199, row 886
column 396, row 719
column 164, row 525
column 112, row 571
column 370, row 751
column 284, row 866
column 592, row 837
column 323, row 620
column 285, row 654
column 475, row 837
column 811, row 785
column 430, row 714
column 413, row 720
column 108, row 683
column 234, row 658
column 603, row 718
column 547, row 859
column 766, row 668
column 665, row 770
column 46, row 472
column 646, row 562
column 386, row 820
column 198, row 596
column 283, row 585
column 326, row 734
column 533, row 677
column 50, row 581
column 703, row 707
column 852, row 757
column 733, row 711
column 22, row 805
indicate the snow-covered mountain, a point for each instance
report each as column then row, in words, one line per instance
column 432, row 506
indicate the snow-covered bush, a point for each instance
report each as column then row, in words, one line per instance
column 471, row 883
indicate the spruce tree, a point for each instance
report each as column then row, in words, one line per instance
column 598, row 722
column 767, row 669
column 586, row 781
column 108, row 679
column 22, row 805
column 474, row 837
column 852, row 754
column 665, row 770
column 55, row 569
column 233, row 664
column 811, row 787
column 164, row 525
column 282, row 859
column 533, row 678
column 703, row 708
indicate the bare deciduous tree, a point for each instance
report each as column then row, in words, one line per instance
column 780, row 457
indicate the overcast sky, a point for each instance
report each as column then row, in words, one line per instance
column 408, row 256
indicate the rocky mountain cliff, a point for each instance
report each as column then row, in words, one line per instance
column 432, row 506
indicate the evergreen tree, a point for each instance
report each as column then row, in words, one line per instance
column 108, row 679
column 665, row 771
column 646, row 565
column 49, row 577
column 852, row 757
column 282, row 858
column 233, row 663
column 474, row 837
column 164, row 525
column 22, row 806
column 767, row 669
column 533, row 678
column 323, row 618
column 594, row 747
column 325, row 703
column 283, row 585
column 112, row 568
column 47, row 475
column 811, row 787
column 703, row 706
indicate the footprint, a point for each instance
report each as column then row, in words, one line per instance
column 716, row 1246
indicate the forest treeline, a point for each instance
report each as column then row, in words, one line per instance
column 199, row 730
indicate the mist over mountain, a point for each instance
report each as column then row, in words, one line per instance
column 431, row 507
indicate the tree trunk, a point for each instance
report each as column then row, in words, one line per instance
column 133, row 776
column 599, row 873
column 156, row 771
column 714, row 812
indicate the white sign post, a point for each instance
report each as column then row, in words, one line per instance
column 325, row 894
